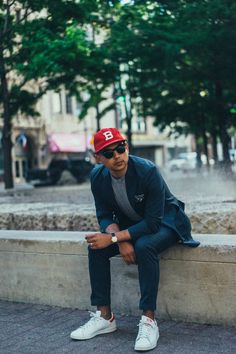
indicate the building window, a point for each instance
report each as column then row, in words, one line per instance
column 139, row 124
column 68, row 104
column 78, row 108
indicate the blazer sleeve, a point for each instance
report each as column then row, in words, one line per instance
column 103, row 212
column 154, row 206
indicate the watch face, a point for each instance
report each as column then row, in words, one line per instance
column 114, row 239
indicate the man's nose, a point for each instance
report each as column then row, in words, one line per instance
column 115, row 154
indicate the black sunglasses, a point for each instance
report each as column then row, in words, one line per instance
column 108, row 154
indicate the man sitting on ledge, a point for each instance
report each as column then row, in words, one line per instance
column 139, row 218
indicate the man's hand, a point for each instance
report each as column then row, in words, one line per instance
column 98, row 240
column 127, row 252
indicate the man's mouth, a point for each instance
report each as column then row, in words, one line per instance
column 119, row 163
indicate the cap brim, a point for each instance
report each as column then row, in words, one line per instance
column 109, row 143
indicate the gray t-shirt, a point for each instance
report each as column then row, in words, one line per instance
column 119, row 189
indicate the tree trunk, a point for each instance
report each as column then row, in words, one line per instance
column 98, row 117
column 128, row 116
column 222, row 121
column 214, row 146
column 198, row 151
column 115, row 109
column 6, row 134
column 129, row 124
column 205, row 147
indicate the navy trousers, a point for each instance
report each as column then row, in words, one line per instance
column 147, row 249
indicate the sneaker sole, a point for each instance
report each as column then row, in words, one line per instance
column 141, row 349
column 144, row 349
column 104, row 331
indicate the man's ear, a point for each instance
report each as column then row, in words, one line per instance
column 127, row 147
column 97, row 158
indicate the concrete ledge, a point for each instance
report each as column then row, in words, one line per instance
column 63, row 217
column 50, row 267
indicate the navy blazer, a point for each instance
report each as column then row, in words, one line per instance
column 149, row 196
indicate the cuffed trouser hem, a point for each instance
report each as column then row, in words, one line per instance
column 149, row 308
column 101, row 304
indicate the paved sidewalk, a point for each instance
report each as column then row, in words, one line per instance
column 41, row 329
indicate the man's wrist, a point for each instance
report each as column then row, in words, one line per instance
column 122, row 236
column 112, row 228
column 114, row 238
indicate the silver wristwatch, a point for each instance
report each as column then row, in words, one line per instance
column 113, row 237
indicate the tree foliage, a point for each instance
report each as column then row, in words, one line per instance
column 176, row 58
column 181, row 66
column 39, row 40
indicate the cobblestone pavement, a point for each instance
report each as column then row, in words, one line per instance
column 71, row 194
column 41, row 329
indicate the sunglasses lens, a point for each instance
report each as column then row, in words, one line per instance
column 107, row 154
column 120, row 149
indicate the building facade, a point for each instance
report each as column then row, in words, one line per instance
column 58, row 133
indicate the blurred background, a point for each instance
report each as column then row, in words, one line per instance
column 163, row 72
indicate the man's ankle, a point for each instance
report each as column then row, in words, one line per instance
column 105, row 312
column 150, row 314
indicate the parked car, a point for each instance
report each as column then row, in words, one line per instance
column 183, row 162
column 79, row 169
column 186, row 161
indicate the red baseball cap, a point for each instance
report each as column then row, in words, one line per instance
column 106, row 137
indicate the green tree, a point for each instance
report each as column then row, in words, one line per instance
column 180, row 59
column 98, row 74
column 38, row 40
column 209, row 37
column 138, row 43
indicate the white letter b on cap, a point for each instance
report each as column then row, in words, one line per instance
column 108, row 135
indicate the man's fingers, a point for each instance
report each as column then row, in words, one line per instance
column 91, row 243
column 88, row 237
column 129, row 259
column 91, row 238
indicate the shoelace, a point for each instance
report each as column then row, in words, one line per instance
column 144, row 329
column 94, row 317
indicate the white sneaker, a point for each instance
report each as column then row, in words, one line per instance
column 148, row 334
column 96, row 325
